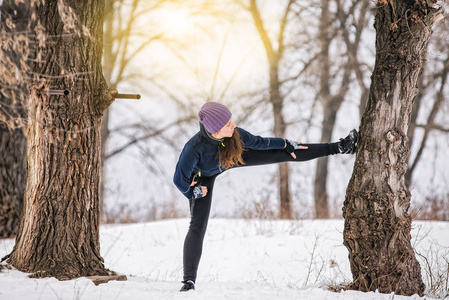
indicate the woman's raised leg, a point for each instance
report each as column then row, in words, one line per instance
column 265, row 157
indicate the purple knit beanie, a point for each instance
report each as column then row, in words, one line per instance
column 214, row 116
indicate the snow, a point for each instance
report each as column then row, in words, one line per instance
column 242, row 259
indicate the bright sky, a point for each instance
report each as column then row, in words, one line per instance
column 176, row 22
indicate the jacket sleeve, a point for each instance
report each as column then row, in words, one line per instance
column 184, row 169
column 260, row 143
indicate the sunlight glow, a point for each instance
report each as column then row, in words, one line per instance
column 176, row 23
column 215, row 55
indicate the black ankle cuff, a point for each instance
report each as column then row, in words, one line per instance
column 333, row 148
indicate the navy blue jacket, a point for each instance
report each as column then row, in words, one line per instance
column 200, row 155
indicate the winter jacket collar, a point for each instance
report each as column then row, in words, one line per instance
column 208, row 137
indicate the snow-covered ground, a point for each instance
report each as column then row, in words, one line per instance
column 242, row 259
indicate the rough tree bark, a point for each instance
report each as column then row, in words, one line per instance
column 59, row 230
column 14, row 56
column 377, row 223
column 12, row 179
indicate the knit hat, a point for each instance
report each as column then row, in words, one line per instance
column 214, row 116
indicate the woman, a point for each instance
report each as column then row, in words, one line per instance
column 219, row 146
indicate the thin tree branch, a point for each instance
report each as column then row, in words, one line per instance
column 281, row 46
column 262, row 31
column 135, row 140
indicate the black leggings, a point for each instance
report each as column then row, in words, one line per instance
column 200, row 208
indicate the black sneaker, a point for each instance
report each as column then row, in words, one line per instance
column 188, row 285
column 348, row 145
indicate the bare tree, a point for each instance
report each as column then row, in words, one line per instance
column 276, row 99
column 356, row 18
column 377, row 223
column 59, row 230
column 332, row 94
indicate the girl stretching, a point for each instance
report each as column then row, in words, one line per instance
column 220, row 146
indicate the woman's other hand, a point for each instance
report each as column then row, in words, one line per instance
column 291, row 146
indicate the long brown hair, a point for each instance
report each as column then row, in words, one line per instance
column 230, row 153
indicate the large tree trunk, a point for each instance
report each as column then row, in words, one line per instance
column 104, row 139
column 377, row 223
column 59, row 232
column 14, row 58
